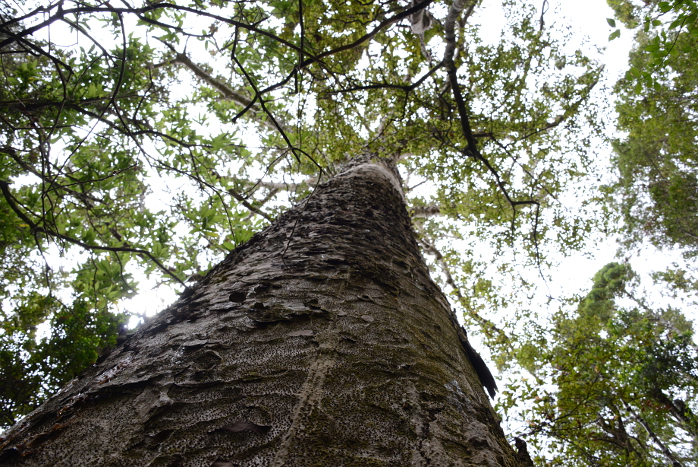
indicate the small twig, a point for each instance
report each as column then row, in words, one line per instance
column 227, row 92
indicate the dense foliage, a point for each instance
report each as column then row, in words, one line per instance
column 658, row 108
column 624, row 380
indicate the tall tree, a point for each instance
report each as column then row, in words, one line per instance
column 321, row 340
column 250, row 105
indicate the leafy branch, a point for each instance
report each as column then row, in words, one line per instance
column 34, row 228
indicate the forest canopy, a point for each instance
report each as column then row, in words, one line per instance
column 146, row 140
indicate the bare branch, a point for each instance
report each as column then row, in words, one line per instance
column 665, row 450
column 247, row 204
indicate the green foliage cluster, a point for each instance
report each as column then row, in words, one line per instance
column 75, row 173
column 625, row 381
column 34, row 363
column 658, row 159
column 660, row 25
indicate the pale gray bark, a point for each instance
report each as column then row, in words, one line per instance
column 322, row 341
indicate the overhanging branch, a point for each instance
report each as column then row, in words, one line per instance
column 9, row 198
column 471, row 144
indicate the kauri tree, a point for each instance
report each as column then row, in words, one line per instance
column 156, row 137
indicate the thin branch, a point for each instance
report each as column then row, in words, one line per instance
column 384, row 24
column 449, row 29
column 130, row 133
column 566, row 114
column 290, row 145
column 662, row 447
column 425, row 211
column 263, row 201
column 84, row 197
column 302, row 32
column 247, row 204
column 404, row 87
column 62, row 13
column 227, row 92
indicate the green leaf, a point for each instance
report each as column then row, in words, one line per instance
column 611, row 22
column 614, row 35
column 664, row 6
column 677, row 23
column 219, row 142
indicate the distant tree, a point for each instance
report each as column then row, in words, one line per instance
column 624, row 382
column 658, row 160
column 658, row 109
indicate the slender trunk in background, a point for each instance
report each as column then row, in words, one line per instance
column 321, row 342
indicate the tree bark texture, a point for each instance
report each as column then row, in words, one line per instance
column 320, row 342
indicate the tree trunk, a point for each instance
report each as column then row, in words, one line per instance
column 320, row 342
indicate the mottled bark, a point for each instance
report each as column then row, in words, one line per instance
column 320, row 342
